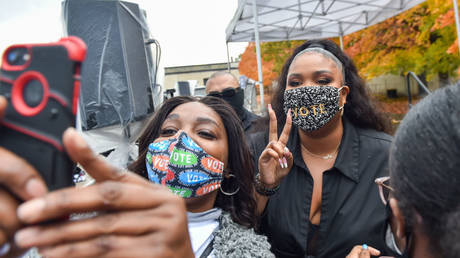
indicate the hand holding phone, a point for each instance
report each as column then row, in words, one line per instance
column 41, row 84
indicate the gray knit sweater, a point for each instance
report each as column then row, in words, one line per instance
column 234, row 240
column 231, row 240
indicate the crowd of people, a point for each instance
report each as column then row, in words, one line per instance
column 319, row 176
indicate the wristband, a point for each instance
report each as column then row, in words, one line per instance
column 261, row 189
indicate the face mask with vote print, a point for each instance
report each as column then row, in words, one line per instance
column 183, row 166
column 312, row 107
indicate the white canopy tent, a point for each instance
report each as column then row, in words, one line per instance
column 277, row 20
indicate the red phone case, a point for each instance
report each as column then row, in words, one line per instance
column 42, row 91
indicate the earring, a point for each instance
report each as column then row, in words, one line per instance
column 231, row 193
column 341, row 110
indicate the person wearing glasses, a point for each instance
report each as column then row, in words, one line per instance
column 423, row 190
column 316, row 185
column 226, row 86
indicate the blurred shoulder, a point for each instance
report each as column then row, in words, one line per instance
column 375, row 138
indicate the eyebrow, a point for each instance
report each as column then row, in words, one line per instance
column 316, row 73
column 206, row 120
column 172, row 117
column 199, row 119
column 294, row 74
column 322, row 71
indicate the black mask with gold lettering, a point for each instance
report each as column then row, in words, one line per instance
column 313, row 106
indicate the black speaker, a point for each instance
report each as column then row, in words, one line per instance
column 117, row 75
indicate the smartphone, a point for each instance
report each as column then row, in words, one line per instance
column 41, row 83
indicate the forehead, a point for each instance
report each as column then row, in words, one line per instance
column 193, row 112
column 311, row 62
column 221, row 82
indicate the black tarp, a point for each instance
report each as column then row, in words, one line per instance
column 117, row 75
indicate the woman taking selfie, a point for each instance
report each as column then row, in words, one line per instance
column 186, row 147
column 316, row 181
column 195, row 148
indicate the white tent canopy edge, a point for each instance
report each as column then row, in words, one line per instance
column 277, row 20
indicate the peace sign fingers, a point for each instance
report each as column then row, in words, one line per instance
column 273, row 129
column 276, row 160
column 284, row 137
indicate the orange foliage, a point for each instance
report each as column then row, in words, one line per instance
column 453, row 49
column 444, row 20
column 420, row 40
column 248, row 66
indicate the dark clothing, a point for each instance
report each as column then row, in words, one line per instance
column 248, row 119
column 351, row 210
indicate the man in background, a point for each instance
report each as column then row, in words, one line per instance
column 226, row 86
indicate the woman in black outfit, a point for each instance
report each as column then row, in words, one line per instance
column 315, row 185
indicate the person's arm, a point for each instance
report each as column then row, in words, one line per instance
column 136, row 217
column 275, row 161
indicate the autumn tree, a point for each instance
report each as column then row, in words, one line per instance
column 248, row 66
column 422, row 39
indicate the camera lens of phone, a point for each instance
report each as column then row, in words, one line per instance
column 33, row 93
column 12, row 56
column 17, row 56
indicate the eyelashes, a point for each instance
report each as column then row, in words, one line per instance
column 296, row 83
column 324, row 81
column 168, row 132
column 207, row 135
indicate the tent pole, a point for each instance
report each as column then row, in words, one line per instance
column 457, row 22
column 341, row 35
column 341, row 41
column 259, row 61
column 228, row 59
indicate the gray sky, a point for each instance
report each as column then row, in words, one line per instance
column 189, row 31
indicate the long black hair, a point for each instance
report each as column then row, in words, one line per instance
column 242, row 205
column 359, row 108
column 425, row 169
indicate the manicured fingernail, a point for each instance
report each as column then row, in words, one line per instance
column 35, row 187
column 365, row 247
column 285, row 162
column 281, row 163
column 30, row 210
column 289, row 112
column 286, row 149
column 269, row 106
column 26, row 237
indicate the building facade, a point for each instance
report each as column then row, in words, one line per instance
column 199, row 73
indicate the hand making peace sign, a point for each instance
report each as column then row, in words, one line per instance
column 275, row 162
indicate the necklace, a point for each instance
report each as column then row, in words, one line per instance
column 325, row 157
